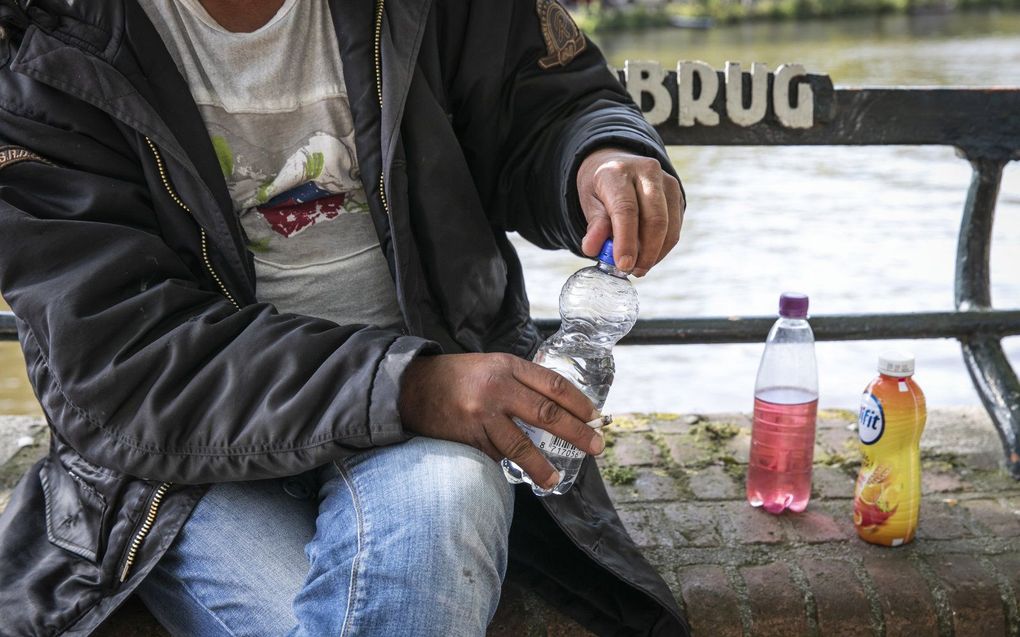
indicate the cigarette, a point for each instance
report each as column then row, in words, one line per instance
column 601, row 421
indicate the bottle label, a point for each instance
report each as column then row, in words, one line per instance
column 871, row 422
column 550, row 444
column 888, row 490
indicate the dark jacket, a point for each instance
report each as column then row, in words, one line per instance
column 156, row 365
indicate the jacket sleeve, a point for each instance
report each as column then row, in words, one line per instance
column 542, row 121
column 137, row 363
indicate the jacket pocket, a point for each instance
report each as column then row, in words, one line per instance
column 75, row 510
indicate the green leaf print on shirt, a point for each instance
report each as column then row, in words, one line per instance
column 313, row 166
column 356, row 206
column 262, row 195
column 224, row 154
column 259, row 245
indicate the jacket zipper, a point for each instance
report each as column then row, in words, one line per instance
column 205, row 242
column 143, row 531
column 379, row 6
column 157, row 496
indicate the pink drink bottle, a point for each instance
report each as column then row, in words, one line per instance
column 785, row 408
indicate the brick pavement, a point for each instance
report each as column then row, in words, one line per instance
column 678, row 483
column 741, row 571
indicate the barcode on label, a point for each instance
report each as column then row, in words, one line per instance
column 562, row 444
column 560, row 447
column 550, row 443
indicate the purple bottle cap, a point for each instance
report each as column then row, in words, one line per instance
column 606, row 254
column 793, row 305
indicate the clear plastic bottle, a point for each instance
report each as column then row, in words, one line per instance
column 785, row 410
column 598, row 306
column 887, row 496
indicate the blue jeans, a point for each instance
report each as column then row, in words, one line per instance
column 409, row 539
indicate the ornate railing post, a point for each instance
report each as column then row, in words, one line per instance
column 993, row 376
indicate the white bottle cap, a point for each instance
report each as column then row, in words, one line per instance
column 896, row 363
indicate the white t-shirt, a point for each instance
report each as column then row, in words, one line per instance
column 276, row 108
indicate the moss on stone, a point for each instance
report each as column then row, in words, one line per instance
column 838, row 460
column 619, row 476
column 733, row 468
column 945, row 461
column 662, row 415
column 714, row 432
column 662, row 447
column 838, row 414
column 630, row 422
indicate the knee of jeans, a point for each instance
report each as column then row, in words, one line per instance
column 463, row 490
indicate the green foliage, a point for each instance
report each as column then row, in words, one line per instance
column 714, row 432
column 617, row 475
column 596, row 17
column 838, row 414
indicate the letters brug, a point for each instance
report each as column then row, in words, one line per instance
column 698, row 86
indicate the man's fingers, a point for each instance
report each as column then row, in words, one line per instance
column 515, row 446
column 643, row 204
column 551, row 385
column 654, row 219
column 599, row 227
column 675, row 202
column 615, row 188
column 543, row 412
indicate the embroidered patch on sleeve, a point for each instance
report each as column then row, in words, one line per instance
column 563, row 40
column 10, row 155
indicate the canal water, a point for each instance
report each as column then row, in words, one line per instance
column 858, row 229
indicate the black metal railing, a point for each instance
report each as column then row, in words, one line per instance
column 982, row 124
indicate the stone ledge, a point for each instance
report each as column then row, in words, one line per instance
column 678, row 483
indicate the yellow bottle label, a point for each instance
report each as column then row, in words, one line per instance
column 888, row 491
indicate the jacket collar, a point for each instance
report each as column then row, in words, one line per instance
column 100, row 28
column 78, row 47
column 401, row 36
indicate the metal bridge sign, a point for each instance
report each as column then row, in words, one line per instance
column 696, row 94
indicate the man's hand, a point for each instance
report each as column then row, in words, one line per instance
column 629, row 198
column 471, row 398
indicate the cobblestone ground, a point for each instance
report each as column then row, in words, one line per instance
column 678, row 483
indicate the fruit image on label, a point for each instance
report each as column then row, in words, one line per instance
column 876, row 498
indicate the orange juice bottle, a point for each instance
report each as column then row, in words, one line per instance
column 887, row 497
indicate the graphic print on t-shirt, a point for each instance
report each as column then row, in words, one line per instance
column 276, row 109
column 287, row 190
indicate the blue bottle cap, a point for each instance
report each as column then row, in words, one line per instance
column 606, row 255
